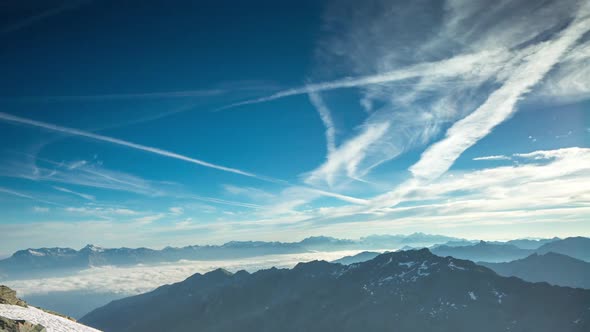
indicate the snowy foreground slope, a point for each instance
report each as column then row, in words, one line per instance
column 51, row 322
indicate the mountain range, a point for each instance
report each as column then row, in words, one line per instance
column 406, row 290
column 43, row 262
column 528, row 243
column 556, row 269
column 484, row 251
column 576, row 247
column 494, row 252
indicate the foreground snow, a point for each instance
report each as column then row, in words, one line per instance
column 51, row 322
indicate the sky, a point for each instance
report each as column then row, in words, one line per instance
column 200, row 122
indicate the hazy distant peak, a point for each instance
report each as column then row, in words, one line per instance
column 92, row 248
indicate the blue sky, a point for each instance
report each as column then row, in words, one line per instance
column 203, row 122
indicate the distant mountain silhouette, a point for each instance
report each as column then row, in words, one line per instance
column 31, row 263
column 576, row 247
column 402, row 291
column 42, row 262
column 358, row 258
column 398, row 241
column 528, row 243
column 483, row 251
column 456, row 243
column 556, row 269
column 56, row 261
column 326, row 243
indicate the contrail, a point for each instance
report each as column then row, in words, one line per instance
column 116, row 141
column 120, row 96
column 66, row 190
column 326, row 117
column 68, row 5
column 499, row 106
column 21, row 195
column 77, row 132
column 462, row 64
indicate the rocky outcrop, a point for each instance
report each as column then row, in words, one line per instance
column 10, row 325
column 8, row 296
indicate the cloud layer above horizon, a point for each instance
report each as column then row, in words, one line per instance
column 454, row 117
column 144, row 278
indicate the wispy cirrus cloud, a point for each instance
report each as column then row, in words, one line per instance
column 40, row 209
column 222, row 201
column 65, row 190
column 121, row 96
column 116, row 141
column 569, row 80
column 505, row 195
column 15, row 193
column 326, row 117
column 149, row 218
column 66, row 5
column 537, row 169
column 95, row 211
column 176, row 210
column 501, row 104
column 19, row 194
column 348, row 156
column 84, row 173
column 461, row 72
column 495, row 157
column 479, row 82
column 461, row 64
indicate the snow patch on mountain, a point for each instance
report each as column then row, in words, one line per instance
column 407, row 264
column 455, row 267
column 35, row 253
column 51, row 322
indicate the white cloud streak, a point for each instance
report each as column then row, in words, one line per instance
column 496, row 157
column 26, row 196
column 100, row 211
column 76, row 132
column 326, row 117
column 67, row 5
column 15, row 193
column 40, row 209
column 499, row 106
column 90, row 175
column 223, row 201
column 348, row 156
column 66, row 190
column 176, row 210
column 122, row 96
column 461, row 64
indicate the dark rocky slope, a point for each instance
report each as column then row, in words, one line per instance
column 402, row 291
column 556, row 269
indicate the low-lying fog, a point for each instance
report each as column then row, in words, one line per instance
column 79, row 293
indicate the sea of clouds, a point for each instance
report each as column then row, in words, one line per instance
column 143, row 278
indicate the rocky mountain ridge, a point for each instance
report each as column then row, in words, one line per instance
column 411, row 290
